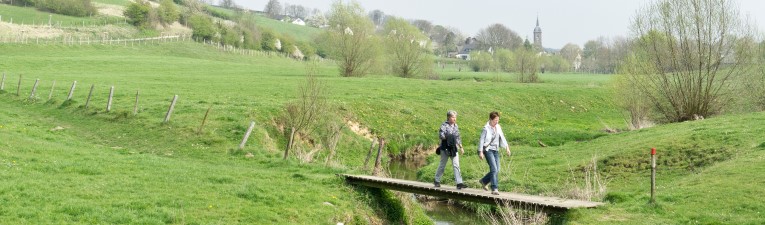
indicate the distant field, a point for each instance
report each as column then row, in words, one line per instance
column 32, row 16
column 297, row 32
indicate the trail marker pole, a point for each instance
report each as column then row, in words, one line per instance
column 247, row 135
column 18, row 88
column 653, row 175
column 170, row 110
column 2, row 83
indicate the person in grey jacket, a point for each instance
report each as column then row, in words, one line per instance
column 492, row 139
column 449, row 134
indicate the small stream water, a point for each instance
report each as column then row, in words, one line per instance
column 440, row 211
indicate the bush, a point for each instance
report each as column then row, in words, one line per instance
column 140, row 14
column 168, row 12
column 202, row 26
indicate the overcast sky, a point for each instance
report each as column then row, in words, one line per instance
column 562, row 21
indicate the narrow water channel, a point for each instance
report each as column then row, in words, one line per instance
column 440, row 211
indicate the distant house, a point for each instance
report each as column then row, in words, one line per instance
column 298, row 21
column 464, row 51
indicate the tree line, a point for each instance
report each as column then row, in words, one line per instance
column 78, row 8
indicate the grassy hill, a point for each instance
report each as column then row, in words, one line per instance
column 117, row 168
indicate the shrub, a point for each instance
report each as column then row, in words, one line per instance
column 140, row 14
column 202, row 26
column 79, row 8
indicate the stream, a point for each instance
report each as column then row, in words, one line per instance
column 440, row 210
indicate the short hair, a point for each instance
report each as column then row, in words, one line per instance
column 451, row 113
column 493, row 115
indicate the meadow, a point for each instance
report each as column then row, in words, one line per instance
column 118, row 168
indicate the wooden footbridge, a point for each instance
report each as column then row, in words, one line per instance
column 469, row 194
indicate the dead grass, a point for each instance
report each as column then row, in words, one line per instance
column 506, row 213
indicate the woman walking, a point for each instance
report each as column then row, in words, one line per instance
column 492, row 139
column 449, row 133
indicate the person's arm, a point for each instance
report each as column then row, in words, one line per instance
column 504, row 141
column 480, row 143
column 442, row 132
column 458, row 139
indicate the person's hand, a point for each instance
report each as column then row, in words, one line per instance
column 462, row 150
column 509, row 153
column 480, row 155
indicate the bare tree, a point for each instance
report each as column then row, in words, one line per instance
column 302, row 113
column 273, row 8
column 527, row 64
column 377, row 16
column 687, row 53
column 498, row 36
column 424, row 25
column 350, row 39
column 229, row 4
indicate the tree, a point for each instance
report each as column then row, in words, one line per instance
column 424, row 25
column 377, row 16
column 229, row 4
column 527, row 64
column 505, row 60
column 202, row 27
column 273, row 8
column 686, row 55
column 570, row 51
column 407, row 55
column 140, row 14
column 317, row 20
column 168, row 12
column 498, row 36
column 302, row 113
column 350, row 39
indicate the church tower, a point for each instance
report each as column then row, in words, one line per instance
column 538, row 36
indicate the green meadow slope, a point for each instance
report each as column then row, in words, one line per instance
column 118, row 168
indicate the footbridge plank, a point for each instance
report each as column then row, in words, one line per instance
column 468, row 194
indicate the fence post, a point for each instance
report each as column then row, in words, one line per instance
column 379, row 156
column 34, row 88
column 247, row 135
column 87, row 102
column 199, row 131
column 71, row 91
column 50, row 95
column 18, row 88
column 2, row 83
column 109, row 102
column 135, row 108
column 170, row 110
column 653, row 175
column 289, row 144
column 369, row 153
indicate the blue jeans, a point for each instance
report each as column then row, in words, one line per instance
column 492, row 157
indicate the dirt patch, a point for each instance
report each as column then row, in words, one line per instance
column 359, row 130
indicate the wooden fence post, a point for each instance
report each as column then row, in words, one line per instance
column 369, row 153
column 247, row 135
column 289, row 144
column 109, row 102
column 2, row 83
column 379, row 156
column 199, row 131
column 71, row 91
column 50, row 95
column 135, row 108
column 170, row 110
column 18, row 88
column 34, row 88
column 92, row 86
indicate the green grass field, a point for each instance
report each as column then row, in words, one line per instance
column 32, row 16
column 116, row 168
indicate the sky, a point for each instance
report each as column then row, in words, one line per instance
column 562, row 21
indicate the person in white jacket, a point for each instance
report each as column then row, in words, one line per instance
column 492, row 139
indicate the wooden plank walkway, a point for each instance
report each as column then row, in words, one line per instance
column 473, row 194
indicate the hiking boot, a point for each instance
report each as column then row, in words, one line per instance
column 461, row 186
column 495, row 192
column 484, row 185
column 436, row 184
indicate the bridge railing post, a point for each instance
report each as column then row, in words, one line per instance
column 369, row 154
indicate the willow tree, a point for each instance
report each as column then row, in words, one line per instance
column 686, row 55
column 350, row 39
column 406, row 48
